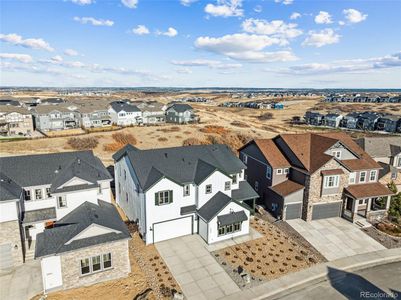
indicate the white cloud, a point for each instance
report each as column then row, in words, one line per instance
column 354, row 16
column 347, row 66
column 257, row 8
column 187, row 2
column 323, row 18
column 16, row 39
column 244, row 46
column 277, row 29
column 24, row 58
column 57, row 58
column 130, row 3
column 225, row 8
column 71, row 52
column 295, row 15
column 285, row 2
column 213, row 64
column 171, row 32
column 183, row 71
column 321, row 38
column 140, row 30
column 341, row 23
column 93, row 21
column 82, row 2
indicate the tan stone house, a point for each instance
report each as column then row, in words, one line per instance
column 87, row 246
column 314, row 176
column 15, row 121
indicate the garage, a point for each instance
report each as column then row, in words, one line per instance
column 173, row 228
column 326, row 210
column 6, row 258
column 293, row 211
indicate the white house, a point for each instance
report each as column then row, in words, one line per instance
column 124, row 113
column 173, row 192
column 46, row 188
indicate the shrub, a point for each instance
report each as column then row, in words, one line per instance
column 213, row 129
column 124, row 138
column 162, row 139
column 192, row 141
column 85, row 143
column 265, row 116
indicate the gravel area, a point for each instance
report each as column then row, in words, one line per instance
column 386, row 240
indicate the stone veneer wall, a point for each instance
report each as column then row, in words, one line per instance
column 313, row 189
column 10, row 233
column 70, row 264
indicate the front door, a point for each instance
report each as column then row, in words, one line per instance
column 349, row 204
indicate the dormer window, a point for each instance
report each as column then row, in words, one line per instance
column 337, row 154
column 372, row 176
column 48, row 195
column 362, row 176
column 38, row 194
column 331, row 181
column 245, row 158
column 279, row 171
column 286, row 170
column 27, row 195
column 234, row 179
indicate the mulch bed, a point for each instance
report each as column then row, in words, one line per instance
column 386, row 240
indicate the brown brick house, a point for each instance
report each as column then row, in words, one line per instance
column 314, row 176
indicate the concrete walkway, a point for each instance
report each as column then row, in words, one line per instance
column 297, row 281
column 22, row 283
column 195, row 269
column 335, row 238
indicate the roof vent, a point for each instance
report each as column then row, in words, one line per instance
column 165, row 154
column 56, row 171
column 79, row 161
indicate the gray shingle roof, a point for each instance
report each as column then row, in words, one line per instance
column 53, row 169
column 44, row 214
column 53, row 241
column 121, row 105
column 380, row 146
column 244, row 192
column 9, row 190
column 188, row 209
column 232, row 218
column 180, row 107
column 183, row 165
column 211, row 208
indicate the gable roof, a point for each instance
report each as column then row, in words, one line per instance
column 9, row 190
column 380, row 146
column 124, row 106
column 54, row 240
column 191, row 164
column 286, row 188
column 180, row 107
column 272, row 153
column 53, row 169
column 212, row 207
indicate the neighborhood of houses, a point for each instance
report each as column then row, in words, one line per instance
column 366, row 121
column 259, row 104
column 362, row 98
column 58, row 208
column 23, row 118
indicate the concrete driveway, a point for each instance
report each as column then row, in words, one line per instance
column 22, row 283
column 195, row 269
column 335, row 238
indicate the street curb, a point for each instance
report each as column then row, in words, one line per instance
column 293, row 282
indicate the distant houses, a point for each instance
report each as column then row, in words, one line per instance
column 359, row 98
column 51, row 117
column 368, row 121
column 180, row 114
column 124, row 113
column 15, row 120
column 254, row 104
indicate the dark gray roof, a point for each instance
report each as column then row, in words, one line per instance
column 9, row 190
column 211, row 208
column 73, row 188
column 244, row 192
column 44, row 214
column 9, row 102
column 121, row 105
column 183, row 165
column 180, row 107
column 54, row 240
column 232, row 218
column 188, row 209
column 52, row 100
column 53, row 169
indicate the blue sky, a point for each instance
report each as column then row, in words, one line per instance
column 228, row 43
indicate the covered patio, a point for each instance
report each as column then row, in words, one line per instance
column 245, row 195
column 370, row 201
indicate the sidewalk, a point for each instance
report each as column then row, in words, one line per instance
column 316, row 274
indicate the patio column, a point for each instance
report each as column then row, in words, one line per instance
column 368, row 206
column 354, row 208
column 388, row 201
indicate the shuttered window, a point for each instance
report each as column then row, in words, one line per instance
column 163, row 197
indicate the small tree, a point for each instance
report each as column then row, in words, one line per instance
column 395, row 202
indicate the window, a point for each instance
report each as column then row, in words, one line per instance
column 331, row 181
column 372, row 176
column 164, row 197
column 351, row 178
column 38, row 194
column 99, row 191
column 286, row 170
column 234, row 179
column 107, row 261
column 279, row 171
column 48, row 195
column 362, row 176
column 126, row 197
column 208, row 189
column 187, row 190
column 360, row 201
column 268, row 172
column 61, row 201
column 227, row 185
column 245, row 158
column 85, row 268
column 393, row 175
column 256, row 185
column 337, row 153
column 399, row 163
column 96, row 265
column 27, row 195
column 227, row 229
column 125, row 175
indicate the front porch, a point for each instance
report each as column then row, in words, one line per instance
column 369, row 201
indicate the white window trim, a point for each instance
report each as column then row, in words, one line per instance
column 286, row 170
column 279, row 171
column 370, row 175
column 224, row 227
column 336, row 181
column 353, row 177
column 227, row 185
column 365, row 177
column 168, row 197
column 63, row 198
column 336, row 153
column 102, row 268
column 244, row 158
column 187, row 190
column 206, row 188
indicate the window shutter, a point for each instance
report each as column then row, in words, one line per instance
column 156, row 199
column 170, row 196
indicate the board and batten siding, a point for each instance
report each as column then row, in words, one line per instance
column 217, row 180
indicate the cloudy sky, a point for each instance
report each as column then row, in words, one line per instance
column 227, row 43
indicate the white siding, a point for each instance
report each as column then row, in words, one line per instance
column 76, row 199
column 51, row 272
column 172, row 229
column 217, row 180
column 8, row 211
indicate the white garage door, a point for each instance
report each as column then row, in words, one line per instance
column 6, row 258
column 172, row 229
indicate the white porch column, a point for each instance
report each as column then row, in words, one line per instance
column 388, row 202
column 354, row 209
column 369, row 205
